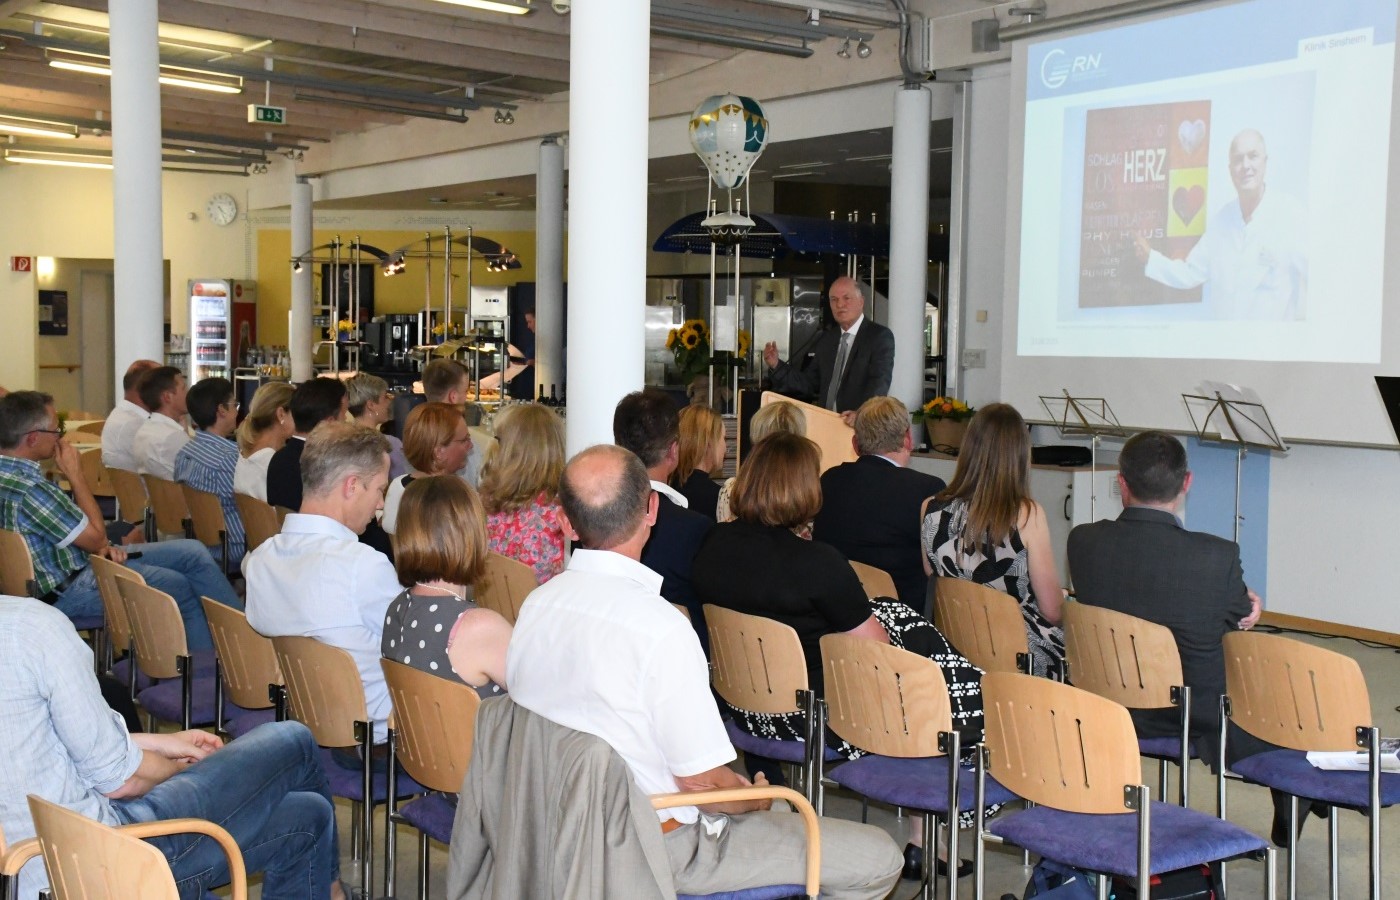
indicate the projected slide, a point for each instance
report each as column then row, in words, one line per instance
column 1209, row 185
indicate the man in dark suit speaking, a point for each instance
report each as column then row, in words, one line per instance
column 870, row 507
column 854, row 361
column 1147, row 565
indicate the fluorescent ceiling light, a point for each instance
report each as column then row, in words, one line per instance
column 71, row 160
column 173, row 76
column 492, row 6
column 37, row 127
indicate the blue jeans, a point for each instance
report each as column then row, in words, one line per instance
column 269, row 791
column 183, row 569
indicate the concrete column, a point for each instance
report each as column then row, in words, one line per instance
column 299, row 323
column 138, row 246
column 549, row 265
column 913, row 107
column 609, row 47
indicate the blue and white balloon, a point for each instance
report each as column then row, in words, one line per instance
column 729, row 133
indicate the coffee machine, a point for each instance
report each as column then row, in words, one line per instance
column 390, row 338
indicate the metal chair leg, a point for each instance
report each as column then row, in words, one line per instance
column 1292, row 847
column 186, row 667
column 422, row 866
column 1270, row 874
column 364, row 733
column 391, row 831
column 1333, row 872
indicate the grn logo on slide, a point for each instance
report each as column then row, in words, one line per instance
column 1056, row 67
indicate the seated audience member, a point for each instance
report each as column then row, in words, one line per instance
column 520, row 488
column 120, row 428
column 598, row 650
column 648, row 424
column 369, row 404
column 758, row 566
column 61, row 742
column 1147, row 565
column 315, row 578
column 870, row 507
column 315, row 401
column 434, row 624
column 435, row 440
column 161, row 436
column 700, row 452
column 264, row 431
column 62, row 532
column 770, row 418
column 207, row 463
column 448, row 381
column 985, row 528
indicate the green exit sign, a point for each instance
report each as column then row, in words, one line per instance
column 267, row 115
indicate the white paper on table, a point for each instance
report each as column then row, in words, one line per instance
column 724, row 329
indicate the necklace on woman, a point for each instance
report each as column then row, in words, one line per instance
column 437, row 587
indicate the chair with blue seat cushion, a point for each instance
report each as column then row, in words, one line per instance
column 181, row 694
column 1304, row 698
column 983, row 624
column 168, row 508
column 757, row 665
column 133, row 505
column 894, row 705
column 1075, row 754
column 246, row 669
column 433, row 729
column 118, row 626
column 1135, row 663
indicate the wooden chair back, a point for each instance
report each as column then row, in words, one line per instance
column 131, row 494
column 247, row 660
column 877, row 582
column 504, row 585
column 95, row 473
column 984, row 624
column 168, row 504
column 157, row 631
column 756, row 664
column 884, row 699
column 825, row 428
column 435, row 719
column 13, row 857
column 16, row 566
column 324, row 691
column 206, row 516
column 107, row 573
column 1126, row 659
column 1293, row 694
column 682, row 610
column 260, row 520
column 87, row 860
column 1057, row 745
column 92, row 427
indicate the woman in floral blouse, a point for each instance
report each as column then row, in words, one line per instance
column 520, row 487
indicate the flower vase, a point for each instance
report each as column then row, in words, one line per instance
column 944, row 434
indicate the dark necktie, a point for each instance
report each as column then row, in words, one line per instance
column 839, row 371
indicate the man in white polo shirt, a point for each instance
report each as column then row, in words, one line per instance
column 120, row 428
column 160, row 438
column 597, row 649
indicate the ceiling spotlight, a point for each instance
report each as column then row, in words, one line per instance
column 504, row 117
column 845, row 51
column 296, row 266
column 863, row 50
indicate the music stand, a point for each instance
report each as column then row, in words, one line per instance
column 1239, row 418
column 1080, row 416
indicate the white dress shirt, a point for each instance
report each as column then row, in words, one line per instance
column 316, row 579
column 118, row 433
column 598, row 650
column 671, row 494
column 156, row 443
column 250, row 474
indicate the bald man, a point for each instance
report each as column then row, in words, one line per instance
column 122, row 423
column 855, row 360
column 1252, row 257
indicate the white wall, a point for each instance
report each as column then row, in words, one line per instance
column 68, row 213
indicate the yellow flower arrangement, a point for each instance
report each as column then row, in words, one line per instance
column 745, row 342
column 945, row 408
column 345, row 326
column 690, row 344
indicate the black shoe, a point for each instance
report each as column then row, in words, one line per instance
column 1279, row 833
column 914, row 865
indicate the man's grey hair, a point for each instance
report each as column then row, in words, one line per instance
column 606, row 511
column 22, row 412
column 337, row 450
column 881, row 424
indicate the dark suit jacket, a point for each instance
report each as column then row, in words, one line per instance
column 284, row 475
column 870, row 512
column 1146, row 565
column 670, row 553
column 869, row 367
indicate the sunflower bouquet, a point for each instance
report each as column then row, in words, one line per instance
column 948, row 408
column 689, row 344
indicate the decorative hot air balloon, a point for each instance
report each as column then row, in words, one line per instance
column 729, row 132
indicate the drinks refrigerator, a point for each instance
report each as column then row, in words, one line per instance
column 223, row 325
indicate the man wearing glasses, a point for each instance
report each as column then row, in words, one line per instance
column 207, row 463
column 61, row 532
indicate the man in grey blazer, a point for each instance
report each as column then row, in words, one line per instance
column 855, row 360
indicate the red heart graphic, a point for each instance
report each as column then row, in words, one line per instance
column 1188, row 202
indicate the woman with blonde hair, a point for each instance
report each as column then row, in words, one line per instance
column 368, row 402
column 436, row 441
column 984, row 527
column 771, row 418
column 701, row 450
column 434, row 624
column 520, row 487
column 263, row 432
